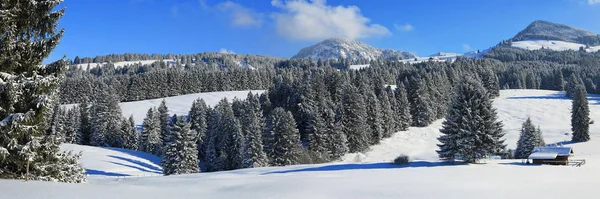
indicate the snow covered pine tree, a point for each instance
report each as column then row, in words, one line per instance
column 470, row 131
column 529, row 138
column 180, row 152
column 580, row 116
column 28, row 90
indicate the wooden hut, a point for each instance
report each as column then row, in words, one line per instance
column 551, row 155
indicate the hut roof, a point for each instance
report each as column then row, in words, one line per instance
column 550, row 152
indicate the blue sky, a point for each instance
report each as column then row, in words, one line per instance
column 282, row 27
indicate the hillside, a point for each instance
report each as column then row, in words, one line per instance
column 372, row 176
column 335, row 48
column 179, row 105
column 544, row 30
column 560, row 37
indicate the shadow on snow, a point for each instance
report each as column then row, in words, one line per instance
column 142, row 165
column 359, row 166
column 152, row 158
column 104, row 173
column 559, row 96
column 136, row 167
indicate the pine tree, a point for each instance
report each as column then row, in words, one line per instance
column 573, row 84
column 106, row 124
column 471, row 130
column 231, row 143
column 28, row 92
column 395, row 126
column 254, row 155
column 374, row 119
column 529, row 138
column 490, row 83
column 284, row 139
column 150, row 137
column 132, row 137
column 403, row 108
column 198, row 116
column 85, row 129
column 180, row 153
column 353, row 119
column 580, row 116
column 58, row 124
column 212, row 160
column 72, row 134
column 163, row 115
column 421, row 108
column 389, row 126
column 337, row 142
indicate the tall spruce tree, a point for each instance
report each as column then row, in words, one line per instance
column 85, row 128
column 471, row 130
column 131, row 135
column 72, row 131
column 374, row 118
column 403, row 108
column 529, row 138
column 198, row 116
column 580, row 116
column 212, row 155
column 421, row 108
column 254, row 155
column 180, row 153
column 353, row 119
column 28, row 91
column 163, row 115
column 106, row 124
column 150, row 137
column 231, row 144
column 573, row 84
column 285, row 141
column 387, row 114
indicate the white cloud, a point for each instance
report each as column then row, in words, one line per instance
column 223, row 50
column 315, row 20
column 592, row 2
column 239, row 15
column 405, row 27
column 467, row 47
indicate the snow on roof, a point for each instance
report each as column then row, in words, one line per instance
column 550, row 152
column 542, row 155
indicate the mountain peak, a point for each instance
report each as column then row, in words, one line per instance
column 337, row 47
column 545, row 30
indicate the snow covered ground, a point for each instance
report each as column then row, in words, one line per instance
column 121, row 64
column 369, row 175
column 552, row 44
column 115, row 162
column 179, row 105
column 358, row 67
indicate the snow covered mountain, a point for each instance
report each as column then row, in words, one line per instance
column 544, row 30
column 350, row 49
column 553, row 36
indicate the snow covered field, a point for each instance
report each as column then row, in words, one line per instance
column 115, row 162
column 367, row 175
column 552, row 44
column 121, row 64
column 179, row 105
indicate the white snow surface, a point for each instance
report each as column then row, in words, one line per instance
column 552, row 44
column 358, row 67
column 101, row 162
column 443, row 57
column 369, row 175
column 121, row 64
column 179, row 105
